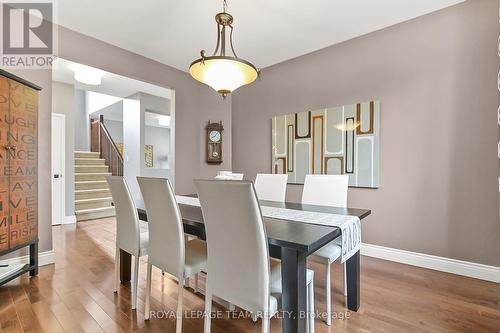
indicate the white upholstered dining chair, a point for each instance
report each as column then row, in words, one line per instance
column 239, row 268
column 271, row 187
column 131, row 233
column 168, row 249
column 327, row 190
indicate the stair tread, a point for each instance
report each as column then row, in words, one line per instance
column 89, row 181
column 92, row 173
column 91, row 165
column 91, row 210
column 91, row 190
column 91, row 168
column 79, row 160
column 86, row 155
column 93, row 200
column 81, row 168
column 89, row 158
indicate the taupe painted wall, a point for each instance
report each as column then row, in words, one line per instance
column 435, row 78
column 210, row 110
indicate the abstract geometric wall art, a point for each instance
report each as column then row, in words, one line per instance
column 148, row 153
column 333, row 141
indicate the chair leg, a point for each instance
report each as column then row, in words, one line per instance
column 148, row 292
column 135, row 282
column 178, row 327
column 345, row 279
column 196, row 290
column 328, row 288
column 310, row 304
column 208, row 310
column 266, row 323
column 117, row 269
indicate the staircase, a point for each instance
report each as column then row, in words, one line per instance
column 92, row 195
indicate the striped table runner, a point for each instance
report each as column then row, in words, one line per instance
column 350, row 226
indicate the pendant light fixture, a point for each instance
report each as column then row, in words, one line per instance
column 222, row 71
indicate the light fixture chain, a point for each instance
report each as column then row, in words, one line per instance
column 224, row 6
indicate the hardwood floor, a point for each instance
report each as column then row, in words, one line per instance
column 76, row 295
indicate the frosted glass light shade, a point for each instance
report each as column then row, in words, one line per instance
column 223, row 74
column 87, row 75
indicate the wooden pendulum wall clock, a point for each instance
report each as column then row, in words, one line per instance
column 214, row 142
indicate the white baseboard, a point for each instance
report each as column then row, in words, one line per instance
column 44, row 258
column 70, row 219
column 459, row 267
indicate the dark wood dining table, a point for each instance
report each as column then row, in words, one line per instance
column 289, row 241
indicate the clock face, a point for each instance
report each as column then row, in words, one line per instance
column 214, row 136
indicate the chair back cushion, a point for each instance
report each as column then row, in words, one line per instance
column 127, row 219
column 325, row 190
column 229, row 175
column 166, row 233
column 238, row 257
column 271, row 187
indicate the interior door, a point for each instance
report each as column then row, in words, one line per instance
column 58, row 162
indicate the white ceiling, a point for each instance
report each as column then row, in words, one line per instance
column 112, row 84
column 266, row 31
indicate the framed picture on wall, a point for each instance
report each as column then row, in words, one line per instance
column 331, row 141
column 148, row 152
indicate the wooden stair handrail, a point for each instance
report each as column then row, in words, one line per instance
column 110, row 139
column 101, row 138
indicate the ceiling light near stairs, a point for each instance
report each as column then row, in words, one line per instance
column 87, row 75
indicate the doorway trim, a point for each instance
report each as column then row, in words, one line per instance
column 172, row 138
column 64, row 219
